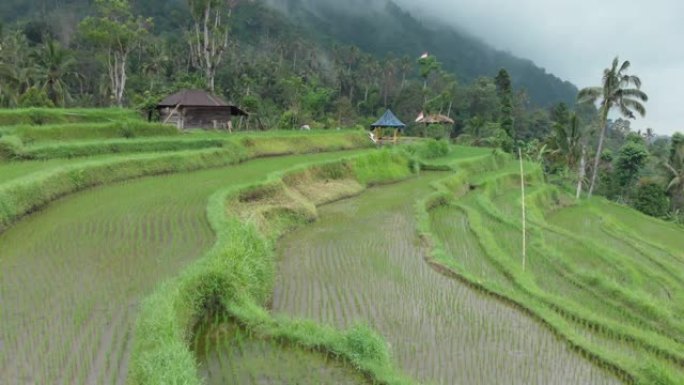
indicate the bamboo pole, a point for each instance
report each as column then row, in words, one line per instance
column 524, row 222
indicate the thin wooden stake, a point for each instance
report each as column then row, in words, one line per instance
column 524, row 222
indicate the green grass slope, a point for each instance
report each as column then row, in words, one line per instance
column 596, row 274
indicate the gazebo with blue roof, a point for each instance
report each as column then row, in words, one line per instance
column 388, row 120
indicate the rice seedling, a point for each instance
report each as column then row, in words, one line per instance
column 363, row 262
column 229, row 354
column 74, row 273
column 615, row 291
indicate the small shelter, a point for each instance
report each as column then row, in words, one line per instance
column 388, row 120
column 440, row 120
column 197, row 109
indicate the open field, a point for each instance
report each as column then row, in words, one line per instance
column 362, row 262
column 74, row 273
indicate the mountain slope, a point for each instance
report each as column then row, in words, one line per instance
column 386, row 28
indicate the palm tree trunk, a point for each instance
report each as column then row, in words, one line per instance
column 582, row 172
column 597, row 158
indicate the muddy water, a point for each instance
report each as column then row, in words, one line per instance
column 362, row 262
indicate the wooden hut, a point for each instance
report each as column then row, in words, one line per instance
column 443, row 121
column 388, row 120
column 189, row 109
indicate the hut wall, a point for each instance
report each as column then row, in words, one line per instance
column 207, row 118
column 170, row 116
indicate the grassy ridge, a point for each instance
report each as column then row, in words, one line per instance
column 30, row 134
column 41, row 116
column 237, row 276
column 593, row 296
column 21, row 196
column 95, row 253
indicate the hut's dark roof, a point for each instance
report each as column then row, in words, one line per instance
column 193, row 98
column 389, row 120
column 198, row 98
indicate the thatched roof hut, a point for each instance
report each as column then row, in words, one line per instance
column 435, row 119
column 197, row 109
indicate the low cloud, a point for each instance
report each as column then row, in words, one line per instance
column 577, row 39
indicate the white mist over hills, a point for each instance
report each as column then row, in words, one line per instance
column 577, row 39
column 574, row 40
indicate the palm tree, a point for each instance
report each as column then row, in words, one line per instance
column 54, row 64
column 565, row 143
column 675, row 167
column 614, row 94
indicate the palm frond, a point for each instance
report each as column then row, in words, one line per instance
column 589, row 94
column 634, row 105
column 626, row 112
column 676, row 181
column 624, row 67
column 634, row 93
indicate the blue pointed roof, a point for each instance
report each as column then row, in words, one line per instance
column 389, row 120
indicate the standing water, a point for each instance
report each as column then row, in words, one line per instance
column 363, row 262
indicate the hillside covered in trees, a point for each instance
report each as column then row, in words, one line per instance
column 292, row 61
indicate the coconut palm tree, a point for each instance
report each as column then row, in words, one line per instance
column 615, row 93
column 54, row 65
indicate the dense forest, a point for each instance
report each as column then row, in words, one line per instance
column 296, row 62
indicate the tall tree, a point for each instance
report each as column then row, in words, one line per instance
column 117, row 32
column 54, row 64
column 615, row 93
column 209, row 39
column 504, row 89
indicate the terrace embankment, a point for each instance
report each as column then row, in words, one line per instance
column 229, row 354
column 362, row 261
column 610, row 291
column 73, row 273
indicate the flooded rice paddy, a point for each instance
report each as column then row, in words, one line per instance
column 362, row 262
column 229, row 355
column 72, row 275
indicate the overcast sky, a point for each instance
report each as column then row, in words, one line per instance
column 577, row 39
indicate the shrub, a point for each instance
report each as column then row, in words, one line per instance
column 35, row 97
column 651, row 199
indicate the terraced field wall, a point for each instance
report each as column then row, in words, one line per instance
column 237, row 275
column 21, row 196
column 607, row 303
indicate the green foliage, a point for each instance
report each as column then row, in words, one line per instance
column 10, row 147
column 629, row 162
column 35, row 98
column 651, row 199
column 428, row 149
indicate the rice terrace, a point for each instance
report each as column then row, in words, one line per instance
column 315, row 257
column 209, row 192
